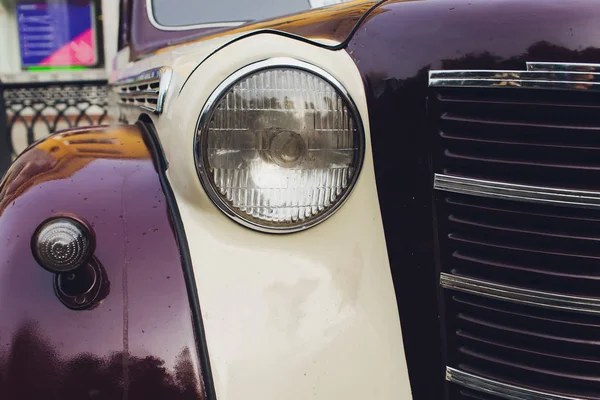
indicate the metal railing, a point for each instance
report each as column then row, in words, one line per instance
column 32, row 110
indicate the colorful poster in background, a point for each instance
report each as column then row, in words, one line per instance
column 57, row 33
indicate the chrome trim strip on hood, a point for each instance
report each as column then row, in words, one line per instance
column 573, row 67
column 517, row 192
column 587, row 305
column 562, row 76
column 500, row 389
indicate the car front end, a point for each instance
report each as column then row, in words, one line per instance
column 382, row 200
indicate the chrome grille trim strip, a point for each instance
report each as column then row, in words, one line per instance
column 511, row 191
column 140, row 94
column 573, row 67
column 563, row 76
column 138, row 87
column 587, row 305
column 500, row 389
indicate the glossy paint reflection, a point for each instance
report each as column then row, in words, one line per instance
column 396, row 47
column 138, row 342
column 31, row 368
column 61, row 156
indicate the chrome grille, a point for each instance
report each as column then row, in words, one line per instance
column 523, row 136
column 146, row 90
column 549, row 351
column 518, row 212
column 545, row 248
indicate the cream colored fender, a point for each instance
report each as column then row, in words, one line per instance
column 308, row 315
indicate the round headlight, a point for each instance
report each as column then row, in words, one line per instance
column 279, row 145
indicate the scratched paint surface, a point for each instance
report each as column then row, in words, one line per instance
column 138, row 343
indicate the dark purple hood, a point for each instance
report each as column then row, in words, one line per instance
column 394, row 49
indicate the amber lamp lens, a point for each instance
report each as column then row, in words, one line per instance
column 62, row 244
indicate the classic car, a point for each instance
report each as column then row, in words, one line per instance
column 306, row 200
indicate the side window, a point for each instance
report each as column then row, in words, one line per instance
column 124, row 23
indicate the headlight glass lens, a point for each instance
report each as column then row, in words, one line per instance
column 280, row 148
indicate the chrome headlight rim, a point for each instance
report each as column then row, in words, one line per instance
column 200, row 156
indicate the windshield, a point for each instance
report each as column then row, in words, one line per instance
column 180, row 13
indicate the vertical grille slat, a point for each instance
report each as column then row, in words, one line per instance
column 518, row 221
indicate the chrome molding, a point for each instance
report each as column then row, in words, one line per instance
column 572, row 67
column 146, row 90
column 587, row 305
column 157, row 25
column 511, row 191
column 500, row 389
column 563, row 76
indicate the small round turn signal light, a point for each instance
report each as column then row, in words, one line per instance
column 62, row 244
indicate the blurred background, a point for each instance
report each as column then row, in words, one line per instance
column 54, row 61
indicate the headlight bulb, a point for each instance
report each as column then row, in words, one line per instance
column 287, row 149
